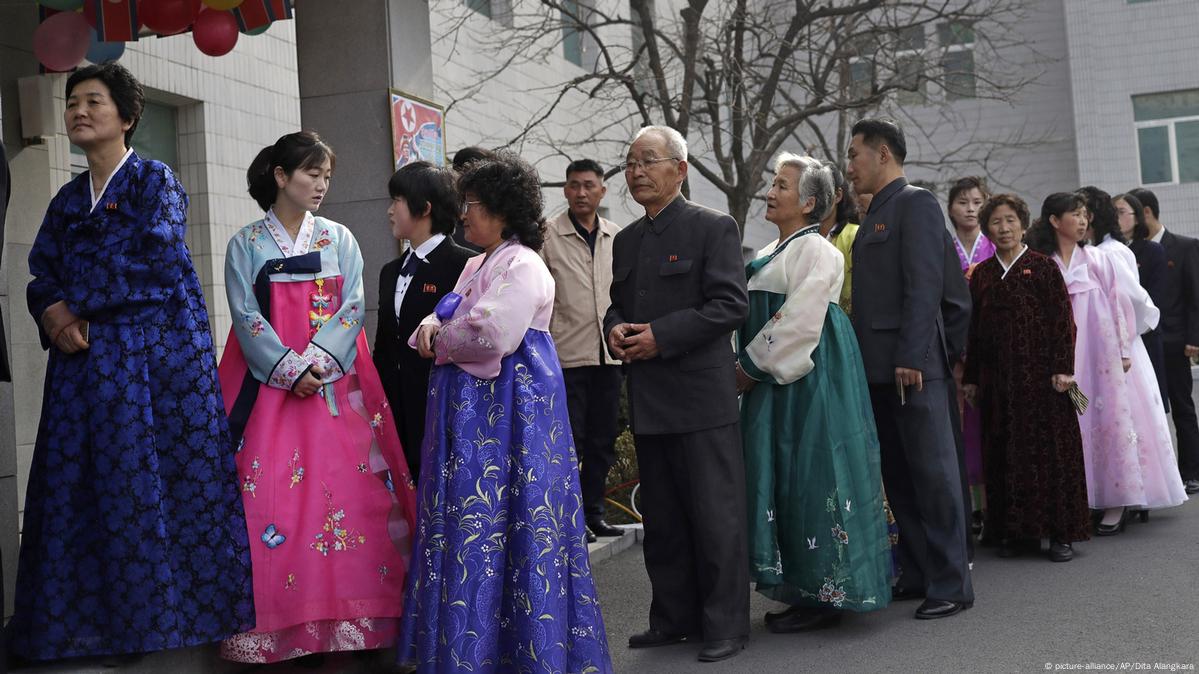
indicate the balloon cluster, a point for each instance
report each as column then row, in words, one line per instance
column 69, row 36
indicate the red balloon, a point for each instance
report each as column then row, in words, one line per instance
column 215, row 31
column 61, row 41
column 167, row 17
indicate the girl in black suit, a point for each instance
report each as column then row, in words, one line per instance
column 424, row 209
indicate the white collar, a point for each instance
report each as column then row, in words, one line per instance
column 973, row 249
column 92, row 191
column 422, row 251
column 1007, row 267
column 1157, row 238
column 283, row 239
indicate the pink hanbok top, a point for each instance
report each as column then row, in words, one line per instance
column 504, row 295
column 981, row 251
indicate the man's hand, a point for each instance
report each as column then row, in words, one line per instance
column 424, row 339
column 616, row 338
column 1191, row 351
column 640, row 345
column 1062, row 382
column 56, row 318
column 908, row 377
column 970, row 393
column 70, row 338
column 310, row 383
column 744, row 381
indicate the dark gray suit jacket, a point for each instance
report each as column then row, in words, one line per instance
column 900, row 285
column 682, row 273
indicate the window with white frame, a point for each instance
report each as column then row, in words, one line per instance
column 155, row 138
column 861, row 77
column 957, row 59
column 1167, row 126
column 572, row 35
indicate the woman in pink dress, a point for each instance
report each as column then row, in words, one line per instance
column 1102, row 354
column 328, row 499
column 966, row 199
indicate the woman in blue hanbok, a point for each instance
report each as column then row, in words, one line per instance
column 500, row 578
column 134, row 538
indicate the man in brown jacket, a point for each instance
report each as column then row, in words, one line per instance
column 578, row 252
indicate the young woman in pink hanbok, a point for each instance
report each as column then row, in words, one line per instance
column 1161, row 480
column 1102, row 354
column 328, row 499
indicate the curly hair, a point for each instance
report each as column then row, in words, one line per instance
column 510, row 189
column 1011, row 201
column 126, row 92
column 1104, row 221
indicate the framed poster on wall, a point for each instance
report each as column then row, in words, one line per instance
column 417, row 130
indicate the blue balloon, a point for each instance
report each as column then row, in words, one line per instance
column 99, row 52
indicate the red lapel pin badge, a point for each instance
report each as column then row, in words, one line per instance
column 880, row 227
column 673, row 258
column 112, row 206
column 1026, row 272
column 430, row 288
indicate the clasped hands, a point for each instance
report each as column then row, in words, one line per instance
column 632, row 342
column 309, row 383
column 67, row 332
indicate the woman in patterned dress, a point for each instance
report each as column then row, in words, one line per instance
column 817, row 529
column 328, row 500
column 500, row 578
column 134, row 538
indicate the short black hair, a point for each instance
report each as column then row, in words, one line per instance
column 127, row 93
column 967, row 183
column 425, row 186
column 1140, row 231
column 1104, row 221
column 584, row 165
column 1148, row 200
column 510, row 189
column 882, row 131
column 469, row 155
column 1041, row 237
column 299, row 150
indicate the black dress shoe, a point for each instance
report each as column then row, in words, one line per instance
column 905, row 594
column 932, row 609
column 589, row 535
column 772, row 616
column 601, row 528
column 1191, row 486
column 806, row 621
column 721, row 649
column 1060, row 552
column 652, row 638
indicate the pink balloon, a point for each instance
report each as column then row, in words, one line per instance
column 61, row 41
column 215, row 31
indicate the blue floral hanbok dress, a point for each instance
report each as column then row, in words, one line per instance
column 134, row 538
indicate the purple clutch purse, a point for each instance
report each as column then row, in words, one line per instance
column 447, row 306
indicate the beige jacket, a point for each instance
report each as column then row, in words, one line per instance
column 581, row 296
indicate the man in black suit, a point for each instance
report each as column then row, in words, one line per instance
column 424, row 210
column 678, row 292
column 899, row 302
column 1180, row 332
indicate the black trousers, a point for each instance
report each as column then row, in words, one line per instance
column 923, row 478
column 693, row 500
column 593, row 401
column 1182, row 409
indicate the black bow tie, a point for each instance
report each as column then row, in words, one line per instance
column 410, row 264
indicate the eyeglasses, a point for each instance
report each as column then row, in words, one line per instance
column 643, row 163
column 467, row 204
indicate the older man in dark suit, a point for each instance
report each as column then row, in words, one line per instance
column 1180, row 332
column 899, row 302
column 424, row 211
column 678, row 292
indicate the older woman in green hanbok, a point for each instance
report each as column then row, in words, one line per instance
column 817, row 529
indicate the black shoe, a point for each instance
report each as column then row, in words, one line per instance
column 1102, row 529
column 932, row 609
column 1191, row 486
column 721, row 649
column 806, row 621
column 772, row 616
column 601, row 528
column 1060, row 552
column 905, row 594
column 588, row 534
column 652, row 638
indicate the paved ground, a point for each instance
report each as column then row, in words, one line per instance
column 1132, row 599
